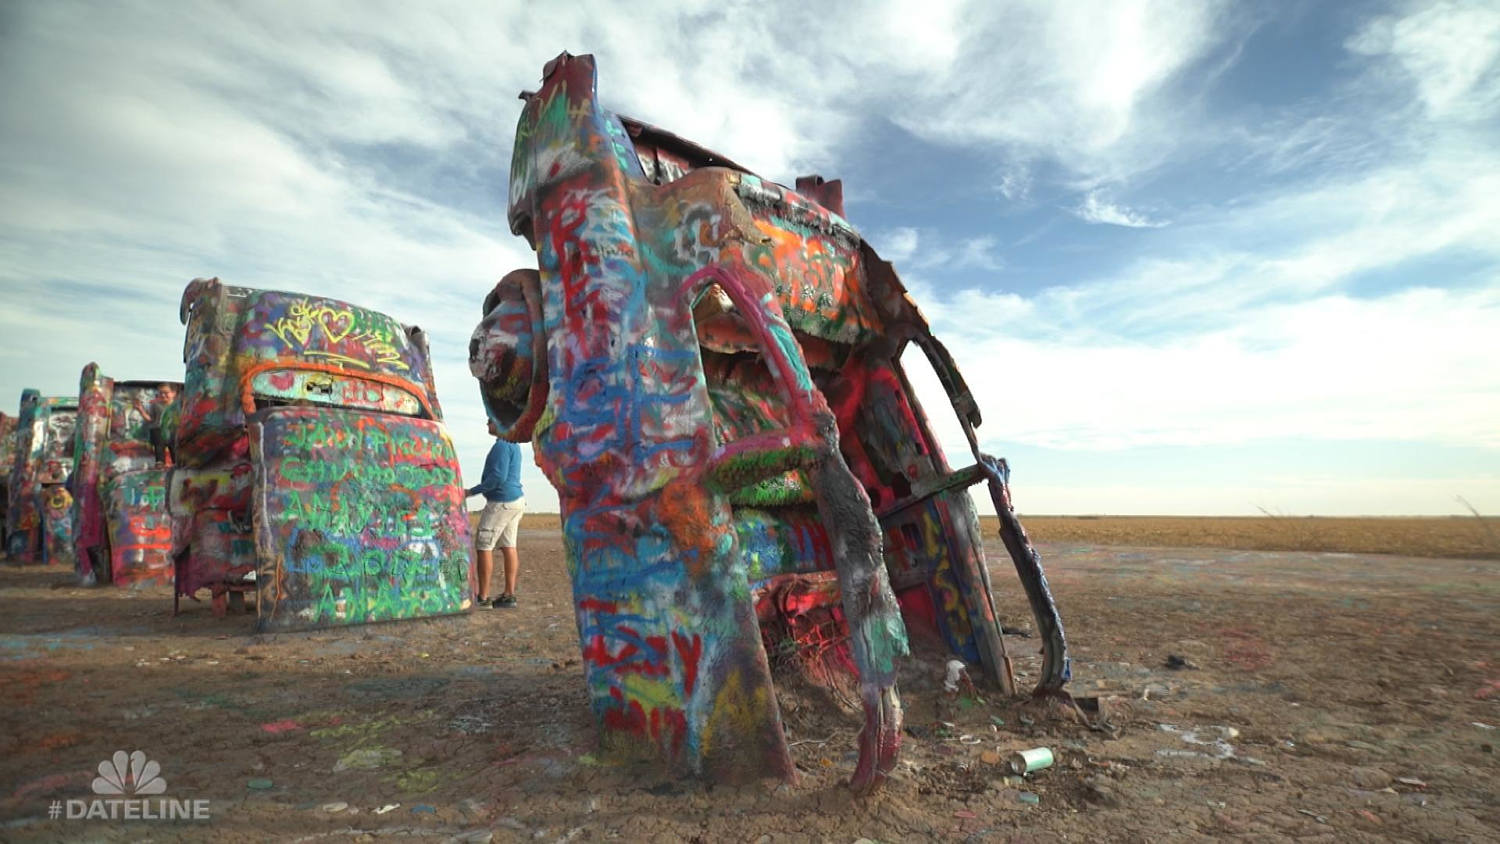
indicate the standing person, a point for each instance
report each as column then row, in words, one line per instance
column 156, row 413
column 501, row 486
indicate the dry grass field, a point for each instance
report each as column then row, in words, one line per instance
column 1461, row 537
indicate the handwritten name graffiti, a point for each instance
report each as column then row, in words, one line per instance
column 317, row 329
column 362, row 516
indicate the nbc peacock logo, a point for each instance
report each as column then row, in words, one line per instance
column 121, row 794
column 129, row 774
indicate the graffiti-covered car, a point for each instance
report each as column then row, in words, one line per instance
column 39, row 518
column 311, row 461
column 708, row 366
column 8, row 428
column 122, row 532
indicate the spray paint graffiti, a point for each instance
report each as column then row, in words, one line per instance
column 122, row 532
column 708, row 366
column 359, row 517
column 39, row 510
column 313, row 467
column 9, row 426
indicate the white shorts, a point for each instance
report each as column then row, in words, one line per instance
column 498, row 523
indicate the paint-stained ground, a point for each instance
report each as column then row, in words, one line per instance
column 1327, row 696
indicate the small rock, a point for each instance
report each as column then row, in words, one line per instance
column 990, row 757
column 1100, row 794
column 1373, row 779
column 471, row 806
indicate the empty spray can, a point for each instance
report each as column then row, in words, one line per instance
column 1027, row 761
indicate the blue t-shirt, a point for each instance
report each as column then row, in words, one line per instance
column 501, row 479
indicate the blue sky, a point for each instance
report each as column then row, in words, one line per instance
column 1193, row 257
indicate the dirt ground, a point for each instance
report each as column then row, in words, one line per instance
column 1326, row 696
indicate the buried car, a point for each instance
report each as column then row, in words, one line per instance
column 312, row 463
column 122, row 531
column 39, row 522
column 709, row 367
column 8, row 429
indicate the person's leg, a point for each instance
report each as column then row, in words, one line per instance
column 512, row 567
column 486, row 534
column 485, row 563
column 511, row 559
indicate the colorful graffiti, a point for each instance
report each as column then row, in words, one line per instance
column 359, row 518
column 39, row 511
column 122, row 532
column 707, row 364
column 319, row 329
column 8, row 436
column 312, row 464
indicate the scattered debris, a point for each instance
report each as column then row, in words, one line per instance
column 1314, row 815
column 958, row 677
column 259, row 784
column 366, row 758
column 1178, row 663
column 389, row 807
column 1219, row 743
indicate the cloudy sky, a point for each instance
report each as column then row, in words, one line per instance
column 1193, row 257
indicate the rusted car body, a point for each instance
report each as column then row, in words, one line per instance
column 8, row 429
column 122, row 532
column 39, row 516
column 312, row 461
column 708, row 366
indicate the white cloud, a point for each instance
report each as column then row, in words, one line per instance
column 1448, row 50
column 932, row 251
column 899, row 244
column 1095, row 209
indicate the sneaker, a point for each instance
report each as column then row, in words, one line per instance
column 482, row 602
column 505, row 601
